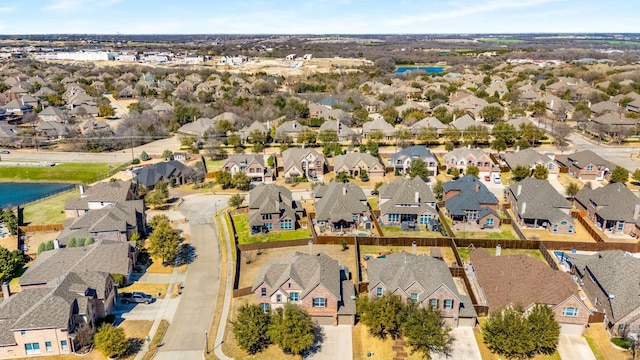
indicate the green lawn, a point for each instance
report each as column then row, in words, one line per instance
column 505, row 233
column 214, row 165
column 65, row 172
column 241, row 223
column 49, row 210
column 373, row 203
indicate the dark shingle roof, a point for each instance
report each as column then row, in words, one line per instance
column 403, row 192
column 617, row 201
column 162, row 171
column 270, row 199
column 542, row 200
column 581, row 159
column 473, row 194
column 339, row 201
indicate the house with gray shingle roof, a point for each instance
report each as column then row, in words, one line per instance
column 344, row 132
column 44, row 320
column 173, row 172
column 353, row 164
column 378, row 124
column 609, row 279
column 467, row 199
column 523, row 280
column 305, row 162
column 612, row 208
column 612, row 123
column 100, row 195
column 536, row 203
column 312, row 281
column 290, row 129
column 246, row 131
column 401, row 160
column 424, row 280
column 339, row 206
column 530, row 158
column 250, row 164
column 407, row 201
column 586, row 165
column 428, row 122
column 272, row 208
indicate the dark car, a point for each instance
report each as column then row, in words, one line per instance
column 135, row 298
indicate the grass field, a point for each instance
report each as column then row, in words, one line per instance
column 48, row 211
column 241, row 223
column 65, row 172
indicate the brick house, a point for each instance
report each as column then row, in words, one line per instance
column 407, row 201
column 523, row 280
column 607, row 279
column 468, row 200
column 401, row 160
column 303, row 162
column 340, row 206
column 612, row 208
column 315, row 282
column 100, row 195
column 422, row 279
column 250, row 164
column 586, row 165
column 530, row 158
column 272, row 208
column 460, row 158
column 354, row 163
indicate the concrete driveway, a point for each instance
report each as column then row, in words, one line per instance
column 464, row 346
column 574, row 347
column 336, row 345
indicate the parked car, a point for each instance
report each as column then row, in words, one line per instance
column 135, row 298
column 5, row 152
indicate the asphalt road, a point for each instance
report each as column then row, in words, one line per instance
column 185, row 337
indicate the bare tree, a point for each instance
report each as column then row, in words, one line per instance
column 560, row 133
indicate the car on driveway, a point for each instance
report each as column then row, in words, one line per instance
column 136, row 298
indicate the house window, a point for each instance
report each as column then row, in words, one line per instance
column 63, row 345
column 621, row 327
column 550, row 166
column 589, row 167
column 23, row 332
column 32, row 348
column 355, row 217
column 394, row 217
column 268, row 226
column 448, row 304
column 379, row 292
column 489, row 222
column 564, row 223
column 424, row 219
column 620, row 225
column 319, row 302
column 294, row 297
column 286, row 224
column 570, row 229
column 278, row 298
column 414, row 296
column 263, row 292
column 433, row 303
column 251, row 170
column 486, row 164
column 555, row 228
column 265, row 307
column 479, row 164
column 571, row 312
column 318, row 163
column 47, row 345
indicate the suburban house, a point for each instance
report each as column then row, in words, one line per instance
column 344, row 132
column 250, row 164
column 525, row 281
column 612, row 208
column 290, row 129
column 354, row 163
column 272, row 208
column 340, row 206
column 586, row 165
column 612, row 124
column 116, row 222
column 52, row 130
column 197, row 128
column 246, row 131
column 428, row 123
column 313, row 281
column 305, row 162
column 407, row 203
column 173, row 172
column 378, row 124
column 536, row 203
column 424, row 280
column 464, row 122
column 401, row 160
column 608, row 280
column 462, row 157
column 44, row 320
column 468, row 200
column 51, row 113
column 100, row 195
column 530, row 158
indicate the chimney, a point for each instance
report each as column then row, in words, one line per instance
column 498, row 250
column 454, row 118
column 6, row 290
column 636, row 211
column 56, row 244
column 277, row 204
column 414, row 248
column 417, row 197
column 468, row 146
column 310, row 245
column 519, row 191
column 551, row 105
column 589, row 104
column 344, row 190
column 82, row 194
column 518, row 148
column 523, row 208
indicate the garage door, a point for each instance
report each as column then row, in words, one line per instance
column 467, row 322
column 345, row 320
column 571, row 329
column 323, row 320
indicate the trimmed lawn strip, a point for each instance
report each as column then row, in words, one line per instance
column 241, row 223
column 505, row 233
column 157, row 340
column 156, row 267
column 64, row 172
column 151, row 289
column 49, row 210
column 222, row 282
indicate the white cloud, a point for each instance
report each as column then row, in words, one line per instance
column 77, row 5
column 6, row 9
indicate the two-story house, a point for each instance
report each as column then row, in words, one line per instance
column 586, row 165
column 251, row 165
column 354, row 163
column 272, row 208
column 305, row 162
column 530, row 158
column 312, row 281
column 100, row 195
column 424, row 280
column 339, row 206
column 463, row 157
column 525, row 281
column 401, row 160
column 407, row 203
column 612, row 208
column 289, row 129
column 467, row 199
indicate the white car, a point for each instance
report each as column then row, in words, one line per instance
column 496, row 179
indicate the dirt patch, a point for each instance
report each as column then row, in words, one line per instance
column 34, row 239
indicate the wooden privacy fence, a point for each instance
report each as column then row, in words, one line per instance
column 37, row 228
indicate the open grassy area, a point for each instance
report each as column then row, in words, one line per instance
column 49, row 210
column 213, row 165
column 241, row 223
column 65, row 172
column 505, row 232
column 373, row 203
column 598, row 339
column 447, row 253
column 488, row 354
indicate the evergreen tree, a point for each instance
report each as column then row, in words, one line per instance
column 251, row 328
column 292, row 329
column 426, row 331
column 164, row 242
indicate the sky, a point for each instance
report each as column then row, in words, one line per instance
column 315, row 17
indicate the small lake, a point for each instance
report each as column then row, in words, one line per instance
column 427, row 69
column 15, row 193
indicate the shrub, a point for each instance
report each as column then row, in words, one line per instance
column 111, row 340
column 135, row 161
